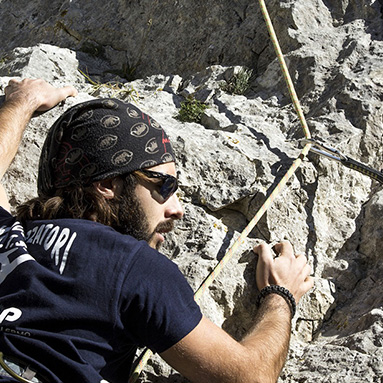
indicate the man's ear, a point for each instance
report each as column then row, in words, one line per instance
column 109, row 188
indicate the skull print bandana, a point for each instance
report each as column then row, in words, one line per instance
column 100, row 139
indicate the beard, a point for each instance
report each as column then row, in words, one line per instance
column 131, row 218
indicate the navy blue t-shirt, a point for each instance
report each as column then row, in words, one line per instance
column 77, row 298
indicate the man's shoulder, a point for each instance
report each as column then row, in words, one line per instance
column 85, row 236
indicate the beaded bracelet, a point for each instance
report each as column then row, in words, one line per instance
column 282, row 291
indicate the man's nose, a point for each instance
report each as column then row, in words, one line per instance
column 174, row 208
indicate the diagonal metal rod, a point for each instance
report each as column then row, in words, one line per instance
column 336, row 155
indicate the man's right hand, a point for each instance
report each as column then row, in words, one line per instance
column 210, row 355
column 22, row 99
column 37, row 95
column 287, row 269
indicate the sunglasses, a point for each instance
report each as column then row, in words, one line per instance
column 168, row 184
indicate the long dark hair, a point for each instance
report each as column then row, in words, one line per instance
column 76, row 201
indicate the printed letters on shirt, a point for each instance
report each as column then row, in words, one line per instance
column 13, row 249
column 56, row 239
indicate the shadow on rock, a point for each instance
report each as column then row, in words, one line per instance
column 356, row 274
column 242, row 316
column 173, row 378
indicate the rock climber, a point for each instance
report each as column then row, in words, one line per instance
column 82, row 281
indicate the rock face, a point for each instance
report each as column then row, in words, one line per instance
column 232, row 159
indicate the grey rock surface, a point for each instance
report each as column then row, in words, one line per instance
column 231, row 161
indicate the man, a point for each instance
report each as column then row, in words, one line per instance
column 81, row 282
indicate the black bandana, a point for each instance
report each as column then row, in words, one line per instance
column 99, row 139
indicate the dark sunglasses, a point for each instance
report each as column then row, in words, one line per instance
column 168, row 186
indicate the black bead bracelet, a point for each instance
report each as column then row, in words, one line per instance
column 282, row 291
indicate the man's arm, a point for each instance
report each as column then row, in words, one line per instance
column 210, row 355
column 22, row 99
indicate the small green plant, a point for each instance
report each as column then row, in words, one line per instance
column 239, row 83
column 191, row 110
